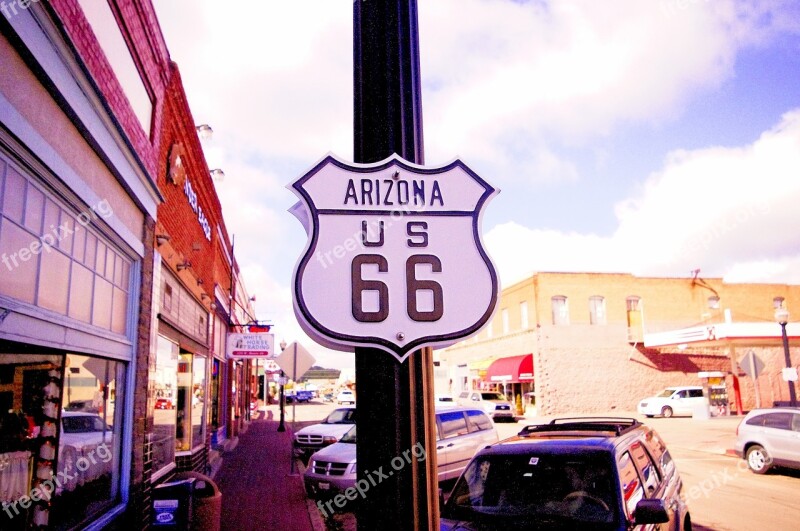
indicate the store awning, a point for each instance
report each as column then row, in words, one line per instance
column 514, row 369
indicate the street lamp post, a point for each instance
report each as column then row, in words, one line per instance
column 281, row 399
column 782, row 316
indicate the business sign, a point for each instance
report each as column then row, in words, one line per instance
column 251, row 346
column 394, row 258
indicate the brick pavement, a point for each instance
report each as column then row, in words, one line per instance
column 258, row 490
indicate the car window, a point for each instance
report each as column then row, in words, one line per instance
column 493, row 396
column 632, row 490
column 341, row 416
column 680, row 394
column 463, row 395
column 696, row 393
column 476, row 397
column 666, row 393
column 453, row 424
column 646, row 467
column 756, row 420
column 502, row 489
column 478, row 421
column 83, row 424
column 781, row 420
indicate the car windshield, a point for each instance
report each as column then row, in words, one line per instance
column 445, row 399
column 83, row 424
column 342, row 416
column 666, row 393
column 349, row 437
column 493, row 396
column 536, row 491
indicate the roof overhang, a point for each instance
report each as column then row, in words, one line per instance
column 514, row 369
column 724, row 334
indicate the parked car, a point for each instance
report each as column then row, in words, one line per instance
column 492, row 403
column 585, row 473
column 673, row 401
column 298, row 396
column 460, row 432
column 317, row 436
column 81, row 434
column 346, row 397
column 769, row 437
column 164, row 403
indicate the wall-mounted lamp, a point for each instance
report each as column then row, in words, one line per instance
column 161, row 239
column 217, row 174
column 200, row 281
column 184, row 265
column 213, row 306
column 204, row 131
column 204, row 296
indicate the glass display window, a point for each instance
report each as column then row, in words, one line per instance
column 60, row 436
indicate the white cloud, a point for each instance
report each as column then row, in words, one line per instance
column 730, row 211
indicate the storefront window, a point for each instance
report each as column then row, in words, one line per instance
column 165, row 391
column 191, row 402
column 60, row 435
column 198, row 401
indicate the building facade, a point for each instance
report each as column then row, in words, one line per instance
column 118, row 282
column 78, row 159
column 596, row 342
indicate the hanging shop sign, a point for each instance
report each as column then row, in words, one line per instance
column 251, row 346
column 394, row 258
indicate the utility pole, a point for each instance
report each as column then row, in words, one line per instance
column 395, row 400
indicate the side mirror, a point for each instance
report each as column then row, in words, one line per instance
column 650, row 511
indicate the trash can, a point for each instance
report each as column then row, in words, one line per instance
column 206, row 505
column 172, row 504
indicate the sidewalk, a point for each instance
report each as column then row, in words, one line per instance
column 258, row 491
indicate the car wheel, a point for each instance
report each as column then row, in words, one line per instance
column 667, row 412
column 758, row 459
column 687, row 523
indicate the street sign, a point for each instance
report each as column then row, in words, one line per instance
column 751, row 364
column 295, row 361
column 251, row 346
column 789, row 374
column 394, row 258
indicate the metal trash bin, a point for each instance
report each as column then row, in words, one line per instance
column 172, row 504
column 206, row 504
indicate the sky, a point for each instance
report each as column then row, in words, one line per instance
column 652, row 137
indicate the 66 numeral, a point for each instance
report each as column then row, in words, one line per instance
column 413, row 285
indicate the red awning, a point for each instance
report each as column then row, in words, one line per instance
column 514, row 369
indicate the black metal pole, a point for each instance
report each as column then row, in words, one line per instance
column 395, row 400
column 788, row 358
column 282, row 405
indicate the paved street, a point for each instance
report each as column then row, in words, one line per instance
column 723, row 495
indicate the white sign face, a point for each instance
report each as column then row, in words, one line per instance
column 394, row 258
column 251, row 346
column 789, row 374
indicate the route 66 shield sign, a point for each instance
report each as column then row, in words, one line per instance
column 394, row 258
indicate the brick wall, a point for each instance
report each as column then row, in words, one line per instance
column 580, row 367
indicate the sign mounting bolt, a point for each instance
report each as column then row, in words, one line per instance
column 396, row 175
column 400, row 336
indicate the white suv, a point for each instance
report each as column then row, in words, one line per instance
column 492, row 403
column 673, row 401
column 460, row 433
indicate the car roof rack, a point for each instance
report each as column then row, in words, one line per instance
column 615, row 425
